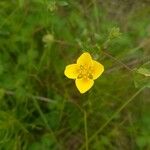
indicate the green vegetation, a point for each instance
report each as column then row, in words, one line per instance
column 41, row 109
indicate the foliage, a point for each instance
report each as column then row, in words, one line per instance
column 40, row 108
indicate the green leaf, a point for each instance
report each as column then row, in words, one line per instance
column 52, row 6
column 144, row 71
column 142, row 76
column 63, row 3
column 114, row 33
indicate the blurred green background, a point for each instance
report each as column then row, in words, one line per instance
column 40, row 109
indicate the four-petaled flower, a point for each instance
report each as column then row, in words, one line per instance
column 84, row 72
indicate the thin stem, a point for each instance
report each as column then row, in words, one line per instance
column 85, row 130
column 41, row 113
column 113, row 116
column 118, row 61
column 46, row 8
column 9, row 16
column 45, row 121
column 40, row 98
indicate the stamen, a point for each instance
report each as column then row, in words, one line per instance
column 85, row 72
column 81, row 67
column 80, row 76
column 90, row 76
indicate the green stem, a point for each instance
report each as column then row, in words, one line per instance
column 45, row 121
column 85, row 129
column 112, row 117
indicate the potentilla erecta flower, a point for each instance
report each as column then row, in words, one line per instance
column 84, row 72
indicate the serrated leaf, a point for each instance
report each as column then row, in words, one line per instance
column 144, row 71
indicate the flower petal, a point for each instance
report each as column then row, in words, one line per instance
column 83, row 85
column 85, row 59
column 97, row 69
column 71, row 71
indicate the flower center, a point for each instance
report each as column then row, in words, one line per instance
column 85, row 72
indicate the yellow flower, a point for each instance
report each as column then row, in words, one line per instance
column 84, row 72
